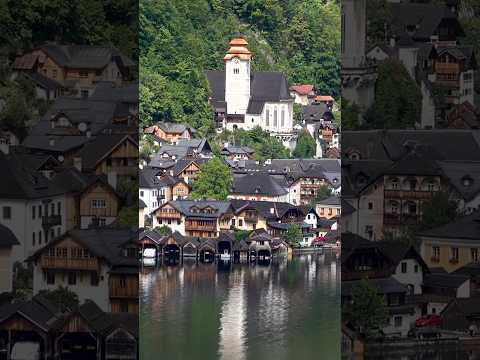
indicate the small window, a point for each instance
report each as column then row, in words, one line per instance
column 404, row 267
column 397, row 321
column 50, row 277
column 415, row 268
column 370, row 206
column 7, row 212
column 33, row 239
column 83, row 74
column 240, row 222
column 72, row 278
column 34, row 212
column 94, row 278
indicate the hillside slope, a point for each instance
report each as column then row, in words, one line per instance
column 179, row 39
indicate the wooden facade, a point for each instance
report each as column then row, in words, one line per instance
column 92, row 199
column 123, row 159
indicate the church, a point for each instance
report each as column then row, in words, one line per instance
column 244, row 99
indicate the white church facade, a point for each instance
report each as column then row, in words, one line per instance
column 244, row 99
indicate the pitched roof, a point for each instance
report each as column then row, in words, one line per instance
column 257, row 183
column 85, row 56
column 439, row 280
column 467, row 227
column 100, row 147
column 303, row 89
column 105, row 243
column 425, row 18
column 197, row 208
column 7, row 237
column 264, row 86
column 331, row 200
column 464, row 176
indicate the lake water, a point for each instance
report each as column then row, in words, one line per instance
column 287, row 310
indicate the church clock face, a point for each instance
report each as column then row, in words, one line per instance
column 235, row 60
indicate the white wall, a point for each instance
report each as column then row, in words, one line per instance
column 410, row 277
column 83, row 288
column 237, row 86
column 23, row 225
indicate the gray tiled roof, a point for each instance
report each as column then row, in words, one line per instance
column 7, row 237
column 85, row 56
column 467, row 227
column 258, row 184
column 186, row 207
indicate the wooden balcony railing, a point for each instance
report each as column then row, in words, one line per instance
column 129, row 291
column 408, row 194
column 52, row 262
column 197, row 227
column 169, row 214
column 397, row 219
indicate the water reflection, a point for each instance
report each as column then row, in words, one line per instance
column 286, row 310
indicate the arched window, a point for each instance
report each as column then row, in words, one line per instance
column 275, row 117
column 282, row 118
column 267, row 117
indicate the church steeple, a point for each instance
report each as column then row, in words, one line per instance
column 238, row 48
column 237, row 76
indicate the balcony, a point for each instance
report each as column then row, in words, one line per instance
column 52, row 262
column 167, row 214
column 398, row 219
column 51, row 220
column 191, row 226
column 409, row 194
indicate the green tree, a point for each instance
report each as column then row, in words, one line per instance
column 306, row 146
column 368, row 311
column 163, row 230
column 62, row 297
column 293, row 235
column 439, row 210
column 128, row 216
column 323, row 192
column 213, row 182
column 397, row 99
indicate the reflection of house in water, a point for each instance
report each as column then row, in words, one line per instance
column 233, row 317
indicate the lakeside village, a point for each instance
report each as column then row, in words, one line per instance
column 68, row 208
column 411, row 197
column 265, row 207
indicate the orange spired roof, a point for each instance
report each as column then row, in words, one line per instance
column 238, row 48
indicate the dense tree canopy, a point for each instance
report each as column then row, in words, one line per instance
column 367, row 311
column 213, row 182
column 180, row 39
column 397, row 99
column 24, row 23
column 306, row 146
column 263, row 145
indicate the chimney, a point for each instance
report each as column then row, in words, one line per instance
column 112, row 179
column 77, row 163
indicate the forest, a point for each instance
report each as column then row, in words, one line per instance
column 25, row 23
column 181, row 39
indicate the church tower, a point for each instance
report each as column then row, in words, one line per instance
column 358, row 76
column 237, row 76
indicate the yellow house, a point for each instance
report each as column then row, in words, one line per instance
column 453, row 245
column 329, row 208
